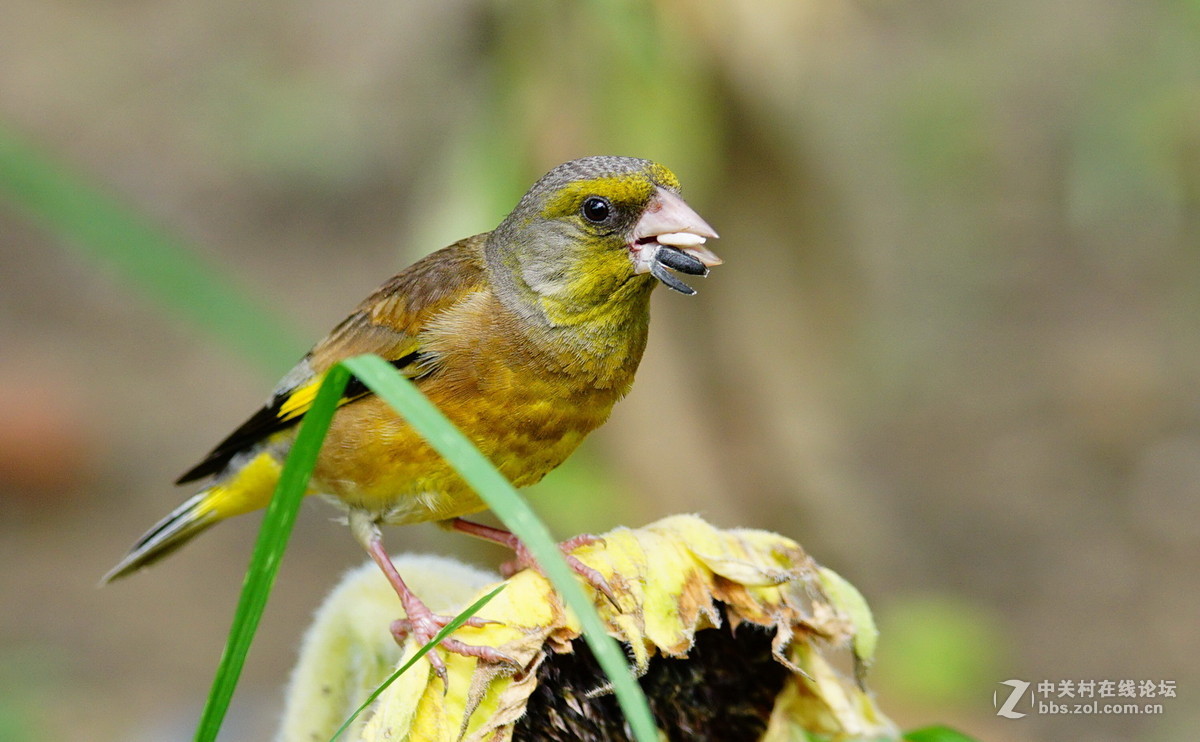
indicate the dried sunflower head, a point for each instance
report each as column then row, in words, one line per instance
column 732, row 633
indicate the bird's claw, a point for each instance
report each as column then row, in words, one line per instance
column 581, row 540
column 424, row 627
column 525, row 560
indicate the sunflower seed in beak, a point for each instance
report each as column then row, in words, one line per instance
column 680, row 239
column 681, row 261
column 659, row 271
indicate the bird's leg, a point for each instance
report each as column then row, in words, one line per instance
column 525, row 560
column 419, row 621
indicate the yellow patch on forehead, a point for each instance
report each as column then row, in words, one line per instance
column 664, row 176
column 620, row 189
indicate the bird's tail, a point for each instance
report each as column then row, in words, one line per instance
column 249, row 488
column 184, row 523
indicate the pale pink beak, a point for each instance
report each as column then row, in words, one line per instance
column 669, row 222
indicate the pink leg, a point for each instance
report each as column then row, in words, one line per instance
column 424, row 624
column 525, row 560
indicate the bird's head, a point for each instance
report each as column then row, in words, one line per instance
column 597, row 232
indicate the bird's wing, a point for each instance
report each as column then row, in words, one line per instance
column 388, row 323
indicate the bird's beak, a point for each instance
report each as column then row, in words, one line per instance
column 671, row 235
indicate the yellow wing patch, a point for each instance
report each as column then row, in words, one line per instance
column 301, row 399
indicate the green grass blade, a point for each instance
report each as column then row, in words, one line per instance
column 512, row 510
column 268, row 550
column 162, row 267
column 446, row 631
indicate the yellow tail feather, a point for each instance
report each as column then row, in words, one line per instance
column 249, row 489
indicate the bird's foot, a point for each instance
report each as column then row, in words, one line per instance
column 524, row 559
column 423, row 625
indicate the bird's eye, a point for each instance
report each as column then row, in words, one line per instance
column 596, row 209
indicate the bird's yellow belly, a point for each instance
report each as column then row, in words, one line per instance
column 373, row 460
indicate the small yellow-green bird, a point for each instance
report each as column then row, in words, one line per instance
column 524, row 336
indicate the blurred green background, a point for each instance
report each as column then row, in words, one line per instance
column 952, row 350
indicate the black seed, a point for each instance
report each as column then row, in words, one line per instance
column 673, row 257
column 658, row 271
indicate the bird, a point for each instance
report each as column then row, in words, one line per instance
column 525, row 337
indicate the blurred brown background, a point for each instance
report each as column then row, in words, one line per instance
column 952, row 349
